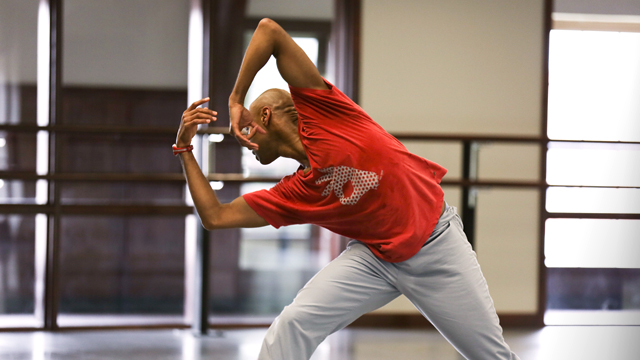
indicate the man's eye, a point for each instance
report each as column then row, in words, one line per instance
column 245, row 130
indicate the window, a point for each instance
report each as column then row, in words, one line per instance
column 18, row 92
column 272, row 264
column 592, row 237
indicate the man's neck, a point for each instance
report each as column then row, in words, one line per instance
column 292, row 148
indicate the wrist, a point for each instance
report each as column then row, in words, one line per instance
column 236, row 99
column 177, row 149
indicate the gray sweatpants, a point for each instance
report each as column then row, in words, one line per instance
column 443, row 280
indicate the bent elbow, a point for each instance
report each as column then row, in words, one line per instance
column 209, row 224
column 267, row 24
column 206, row 225
column 270, row 28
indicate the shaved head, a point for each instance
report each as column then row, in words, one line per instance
column 275, row 112
column 278, row 100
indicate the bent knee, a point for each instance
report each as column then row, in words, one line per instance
column 292, row 315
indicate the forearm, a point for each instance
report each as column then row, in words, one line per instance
column 263, row 44
column 204, row 198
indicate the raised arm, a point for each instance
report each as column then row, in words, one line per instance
column 293, row 64
column 213, row 214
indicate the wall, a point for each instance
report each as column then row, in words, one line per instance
column 18, row 55
column 291, row 9
column 467, row 67
column 120, row 43
column 608, row 7
column 428, row 66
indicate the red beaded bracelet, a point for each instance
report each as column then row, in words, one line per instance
column 177, row 150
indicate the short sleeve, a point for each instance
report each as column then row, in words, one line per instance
column 274, row 205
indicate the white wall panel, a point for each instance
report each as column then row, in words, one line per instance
column 507, row 247
column 453, row 66
column 467, row 67
column 500, row 161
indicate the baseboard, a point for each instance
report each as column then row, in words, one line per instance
column 417, row 321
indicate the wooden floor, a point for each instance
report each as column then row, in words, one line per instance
column 549, row 343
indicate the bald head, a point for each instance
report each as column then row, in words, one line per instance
column 278, row 100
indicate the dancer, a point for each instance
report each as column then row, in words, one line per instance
column 355, row 180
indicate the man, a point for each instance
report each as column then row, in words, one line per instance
column 358, row 181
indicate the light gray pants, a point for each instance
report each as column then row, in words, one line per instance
column 443, row 280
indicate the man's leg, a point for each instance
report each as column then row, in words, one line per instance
column 445, row 283
column 351, row 285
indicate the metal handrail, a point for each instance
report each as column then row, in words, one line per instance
column 413, row 136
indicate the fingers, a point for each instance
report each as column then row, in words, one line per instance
column 255, row 129
column 204, row 111
column 197, row 103
column 258, row 129
column 198, row 116
column 243, row 139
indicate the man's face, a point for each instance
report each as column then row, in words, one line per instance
column 267, row 149
column 263, row 113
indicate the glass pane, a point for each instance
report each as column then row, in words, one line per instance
column 118, row 153
column 594, row 85
column 267, row 269
column 120, row 193
column 126, row 44
column 269, row 77
column 18, row 94
column 18, row 66
column 592, row 243
column 274, row 265
column 587, row 288
column 112, row 78
column 18, row 151
column 586, row 296
column 262, row 272
column 279, row 168
column 593, row 200
column 593, row 164
column 121, row 265
column 17, row 192
column 17, row 270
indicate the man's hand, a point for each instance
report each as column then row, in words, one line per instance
column 191, row 118
column 241, row 119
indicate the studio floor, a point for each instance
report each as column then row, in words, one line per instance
column 549, row 343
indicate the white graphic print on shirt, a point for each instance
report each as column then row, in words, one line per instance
column 362, row 181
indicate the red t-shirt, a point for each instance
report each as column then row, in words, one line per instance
column 364, row 184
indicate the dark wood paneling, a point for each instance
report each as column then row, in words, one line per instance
column 123, row 107
column 346, row 40
column 417, row 321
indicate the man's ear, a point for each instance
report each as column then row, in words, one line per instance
column 265, row 115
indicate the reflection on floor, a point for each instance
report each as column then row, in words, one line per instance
column 592, row 317
column 549, row 343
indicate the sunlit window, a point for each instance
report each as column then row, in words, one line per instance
column 593, row 164
column 592, row 243
column 281, row 260
column 592, row 239
column 268, row 78
column 594, row 85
